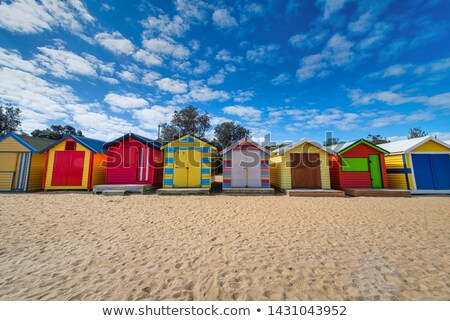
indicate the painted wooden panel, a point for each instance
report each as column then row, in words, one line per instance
column 431, row 146
column 36, row 172
column 355, row 164
column 99, row 169
column 9, row 144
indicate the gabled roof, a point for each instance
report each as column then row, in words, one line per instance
column 343, row 147
column 144, row 140
column 94, row 145
column 407, row 145
column 189, row 138
column 34, row 144
column 284, row 149
column 245, row 140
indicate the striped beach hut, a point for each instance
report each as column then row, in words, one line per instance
column 21, row 164
column 245, row 165
column 74, row 162
column 300, row 165
column 358, row 164
column 421, row 165
column 134, row 159
column 188, row 163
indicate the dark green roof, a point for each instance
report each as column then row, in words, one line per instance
column 37, row 143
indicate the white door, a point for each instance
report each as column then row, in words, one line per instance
column 253, row 167
column 246, row 168
column 238, row 171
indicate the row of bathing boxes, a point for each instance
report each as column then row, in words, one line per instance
column 133, row 163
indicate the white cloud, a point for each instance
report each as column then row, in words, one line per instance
column 29, row 16
column 107, row 68
column 219, row 120
column 166, row 46
column 13, row 59
column 166, row 26
column 150, row 118
column 173, row 86
column 128, row 76
column 200, row 93
column 147, row 58
column 64, row 64
column 202, row 67
column 218, row 78
column 376, row 37
column 337, row 52
column 362, row 24
column 225, row 55
column 263, row 54
column 244, row 112
column 281, row 79
column 243, row 96
column 150, row 77
column 223, row 19
column 123, row 102
column 194, row 44
column 297, row 40
column 331, row 6
column 194, row 12
column 110, row 80
column 115, row 43
column 397, row 118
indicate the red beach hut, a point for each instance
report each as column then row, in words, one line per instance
column 133, row 159
column 358, row 164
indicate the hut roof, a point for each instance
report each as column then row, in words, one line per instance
column 147, row 141
column 284, row 149
column 94, row 145
column 34, row 144
column 243, row 140
column 407, row 145
column 341, row 148
column 190, row 138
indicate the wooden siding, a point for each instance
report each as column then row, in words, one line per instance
column 335, row 172
column 280, row 171
column 431, row 146
column 98, row 169
column 9, row 144
column 51, row 158
column 398, row 171
column 36, row 172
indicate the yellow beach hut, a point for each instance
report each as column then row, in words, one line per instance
column 21, row 163
column 74, row 162
column 421, row 165
column 301, row 165
column 188, row 163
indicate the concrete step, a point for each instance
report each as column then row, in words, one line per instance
column 315, row 192
column 248, row 191
column 131, row 188
column 115, row 192
column 183, row 191
column 373, row 192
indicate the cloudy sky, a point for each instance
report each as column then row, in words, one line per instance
column 289, row 68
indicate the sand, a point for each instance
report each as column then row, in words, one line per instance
column 77, row 246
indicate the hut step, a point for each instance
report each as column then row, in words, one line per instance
column 115, row 192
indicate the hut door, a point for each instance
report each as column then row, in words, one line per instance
column 253, row 168
column 305, row 170
column 238, row 170
column 375, row 171
column 187, row 169
column 432, row 171
column 68, row 168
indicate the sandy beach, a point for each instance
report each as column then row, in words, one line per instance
column 79, row 246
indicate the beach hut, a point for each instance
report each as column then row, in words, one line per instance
column 358, row 164
column 188, row 163
column 421, row 165
column 300, row 165
column 246, row 165
column 21, row 164
column 74, row 162
column 134, row 159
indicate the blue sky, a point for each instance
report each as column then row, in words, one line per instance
column 289, row 68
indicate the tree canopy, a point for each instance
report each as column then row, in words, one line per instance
column 9, row 118
column 56, row 132
column 186, row 121
column 229, row 132
column 416, row 132
column 377, row 139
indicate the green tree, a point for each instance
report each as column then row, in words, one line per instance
column 416, row 132
column 186, row 121
column 9, row 118
column 229, row 132
column 377, row 139
column 56, row 132
column 331, row 141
